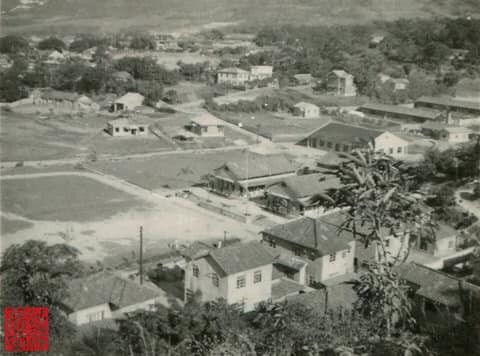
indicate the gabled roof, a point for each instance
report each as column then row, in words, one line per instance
column 435, row 285
column 241, row 257
column 402, row 110
column 342, row 74
column 232, row 70
column 106, row 287
column 339, row 132
column 304, row 186
column 303, row 104
column 207, row 119
column 51, row 94
column 303, row 76
column 330, row 298
column 323, row 234
column 125, row 121
column 129, row 96
column 449, row 102
column 258, row 166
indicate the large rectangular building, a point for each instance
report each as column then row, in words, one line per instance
column 339, row 137
column 449, row 104
column 399, row 112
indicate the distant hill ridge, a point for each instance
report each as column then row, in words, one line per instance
column 197, row 12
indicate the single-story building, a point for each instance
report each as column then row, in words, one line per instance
column 127, row 126
column 444, row 132
column 397, row 83
column 128, row 102
column 438, row 298
column 449, row 104
column 63, row 100
column 307, row 110
column 339, row 137
column 292, row 195
column 304, row 79
column 399, row 112
column 105, row 295
column 250, row 173
column 207, row 125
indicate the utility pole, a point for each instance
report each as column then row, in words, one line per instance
column 141, row 255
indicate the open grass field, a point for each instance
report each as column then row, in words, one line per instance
column 274, row 127
column 65, row 198
column 31, row 137
column 101, row 218
column 176, row 171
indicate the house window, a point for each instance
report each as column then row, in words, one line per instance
column 189, row 295
column 196, row 271
column 117, row 129
column 399, row 150
column 423, row 244
column 297, row 251
column 257, row 277
column 390, row 150
column 311, row 281
column 345, row 148
column 272, row 243
column 387, row 243
column 337, row 147
column 321, row 143
column 329, row 145
column 96, row 316
column 141, row 129
column 215, row 280
column 333, row 256
column 241, row 282
column 125, row 129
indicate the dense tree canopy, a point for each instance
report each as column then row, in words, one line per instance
column 52, row 43
column 13, row 44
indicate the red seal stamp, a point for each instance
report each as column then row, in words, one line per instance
column 25, row 329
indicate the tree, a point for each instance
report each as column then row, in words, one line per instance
column 171, row 97
column 35, row 274
column 52, row 43
column 378, row 204
column 151, row 90
column 143, row 41
column 146, row 68
column 13, row 44
column 11, row 82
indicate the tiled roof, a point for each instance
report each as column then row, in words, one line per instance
column 323, row 234
column 448, row 102
column 259, row 166
column 304, row 186
column 285, row 287
column 338, row 132
column 435, row 285
column 402, row 110
column 336, row 296
column 51, row 94
column 341, row 74
column 106, row 287
column 195, row 250
column 241, row 257
column 129, row 96
column 207, row 120
column 303, row 104
column 232, row 70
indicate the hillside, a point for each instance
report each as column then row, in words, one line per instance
column 171, row 15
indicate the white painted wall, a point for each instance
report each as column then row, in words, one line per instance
column 391, row 144
column 82, row 316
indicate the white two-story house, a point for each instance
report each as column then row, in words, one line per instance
column 240, row 274
column 328, row 250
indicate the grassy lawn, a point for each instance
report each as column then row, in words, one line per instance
column 271, row 126
column 176, row 171
column 66, row 198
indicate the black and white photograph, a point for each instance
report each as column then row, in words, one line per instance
column 240, row 177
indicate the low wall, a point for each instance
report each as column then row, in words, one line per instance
column 223, row 212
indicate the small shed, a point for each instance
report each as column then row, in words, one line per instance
column 128, row 102
column 307, row 110
column 127, row 126
column 207, row 125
